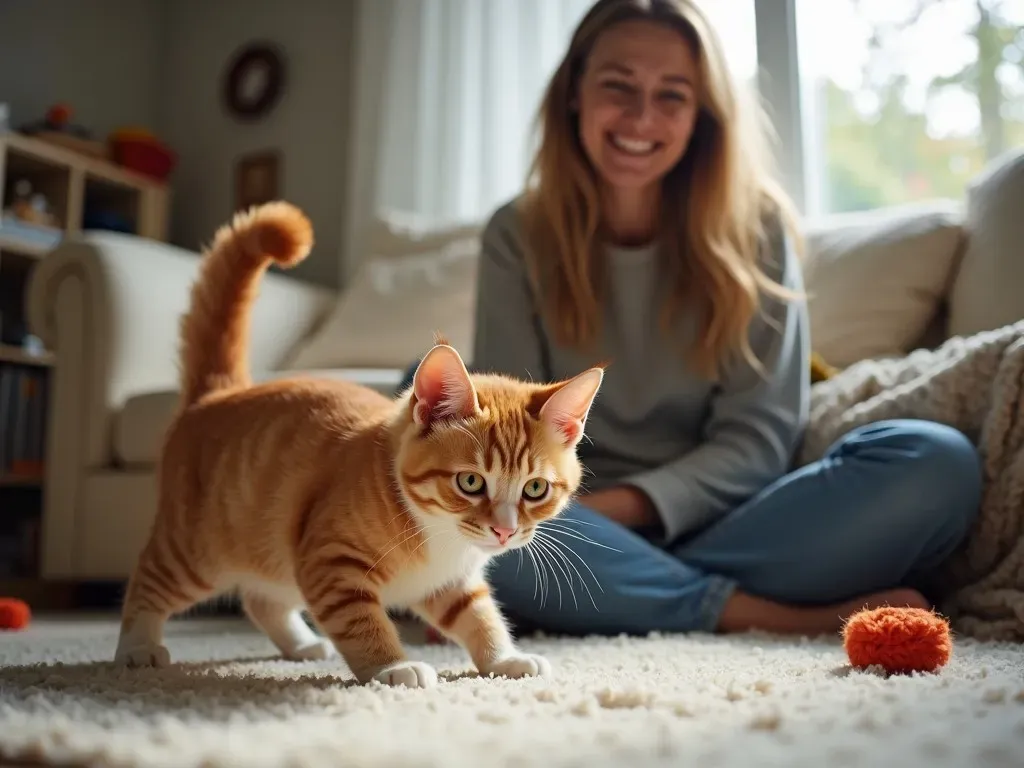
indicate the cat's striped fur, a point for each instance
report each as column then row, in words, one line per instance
column 326, row 496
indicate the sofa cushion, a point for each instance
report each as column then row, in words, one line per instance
column 989, row 289
column 876, row 280
column 140, row 424
column 410, row 288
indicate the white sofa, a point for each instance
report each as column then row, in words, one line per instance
column 108, row 305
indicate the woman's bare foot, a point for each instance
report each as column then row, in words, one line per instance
column 745, row 612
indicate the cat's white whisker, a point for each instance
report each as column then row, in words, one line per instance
column 546, row 556
column 427, row 539
column 556, row 557
column 476, row 440
column 575, row 554
column 537, row 580
column 545, row 575
column 578, row 536
column 553, row 546
column 548, row 575
column 575, row 570
column 571, row 521
column 562, row 547
column 417, row 529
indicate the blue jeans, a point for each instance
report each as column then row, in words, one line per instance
column 882, row 509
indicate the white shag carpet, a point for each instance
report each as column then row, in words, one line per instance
column 656, row 701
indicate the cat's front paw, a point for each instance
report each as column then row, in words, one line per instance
column 411, row 674
column 519, row 665
column 142, row 656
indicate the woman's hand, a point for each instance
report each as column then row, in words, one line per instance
column 626, row 505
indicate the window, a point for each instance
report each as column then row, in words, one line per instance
column 907, row 99
column 463, row 84
column 736, row 25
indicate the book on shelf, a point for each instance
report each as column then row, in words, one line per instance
column 24, row 394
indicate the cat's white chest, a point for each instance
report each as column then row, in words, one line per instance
column 446, row 563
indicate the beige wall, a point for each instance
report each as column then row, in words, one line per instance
column 100, row 56
column 159, row 63
column 310, row 124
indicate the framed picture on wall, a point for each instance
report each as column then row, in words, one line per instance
column 257, row 178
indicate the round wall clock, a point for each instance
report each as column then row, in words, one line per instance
column 254, row 81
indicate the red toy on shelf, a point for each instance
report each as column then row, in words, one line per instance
column 899, row 640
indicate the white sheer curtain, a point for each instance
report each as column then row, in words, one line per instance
column 461, row 83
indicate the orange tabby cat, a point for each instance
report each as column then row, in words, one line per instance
column 329, row 497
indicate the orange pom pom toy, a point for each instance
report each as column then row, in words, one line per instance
column 900, row 640
column 14, row 613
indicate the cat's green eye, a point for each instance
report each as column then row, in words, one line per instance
column 470, row 482
column 535, row 488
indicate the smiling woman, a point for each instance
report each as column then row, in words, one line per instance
column 653, row 236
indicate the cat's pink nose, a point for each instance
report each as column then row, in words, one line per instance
column 503, row 534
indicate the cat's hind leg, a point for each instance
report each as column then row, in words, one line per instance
column 166, row 581
column 284, row 625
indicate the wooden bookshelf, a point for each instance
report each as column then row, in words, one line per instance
column 73, row 181
column 81, row 191
column 12, row 354
column 20, row 481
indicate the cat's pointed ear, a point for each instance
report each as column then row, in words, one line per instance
column 442, row 388
column 567, row 408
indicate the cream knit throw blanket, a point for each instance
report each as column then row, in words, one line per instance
column 975, row 384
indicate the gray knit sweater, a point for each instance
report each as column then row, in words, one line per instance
column 697, row 449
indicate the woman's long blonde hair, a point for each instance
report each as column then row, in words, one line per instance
column 715, row 202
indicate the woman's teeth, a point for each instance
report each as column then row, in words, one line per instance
column 633, row 146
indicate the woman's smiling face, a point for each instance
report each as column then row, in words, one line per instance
column 637, row 103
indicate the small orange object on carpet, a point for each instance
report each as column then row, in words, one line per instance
column 900, row 640
column 14, row 613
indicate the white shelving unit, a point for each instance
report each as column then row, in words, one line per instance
column 73, row 182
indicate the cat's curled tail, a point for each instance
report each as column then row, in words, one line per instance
column 215, row 331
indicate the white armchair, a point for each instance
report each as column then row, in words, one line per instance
column 108, row 305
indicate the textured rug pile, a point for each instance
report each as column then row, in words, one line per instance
column 656, row 701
